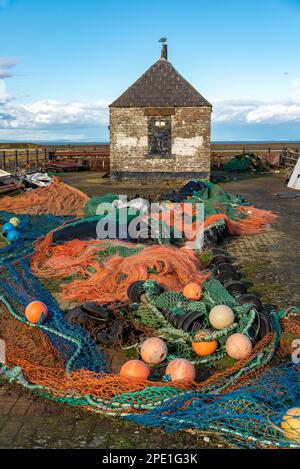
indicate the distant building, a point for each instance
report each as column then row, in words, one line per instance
column 160, row 127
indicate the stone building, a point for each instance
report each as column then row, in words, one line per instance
column 160, row 127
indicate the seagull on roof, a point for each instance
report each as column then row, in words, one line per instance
column 163, row 39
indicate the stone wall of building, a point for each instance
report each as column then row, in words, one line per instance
column 191, row 128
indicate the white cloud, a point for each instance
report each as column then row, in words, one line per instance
column 6, row 64
column 296, row 90
column 255, row 112
column 78, row 120
column 274, row 113
column 2, row 92
column 47, row 114
column 233, row 110
column 251, row 111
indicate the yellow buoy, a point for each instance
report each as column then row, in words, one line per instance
column 291, row 423
column 15, row 221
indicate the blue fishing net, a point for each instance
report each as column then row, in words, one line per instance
column 245, row 414
column 78, row 350
column 30, row 228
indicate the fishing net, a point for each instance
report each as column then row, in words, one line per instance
column 245, row 414
column 241, row 217
column 64, row 362
column 57, row 199
column 30, row 228
column 92, row 205
column 42, row 364
column 244, row 162
column 74, row 344
column 109, row 280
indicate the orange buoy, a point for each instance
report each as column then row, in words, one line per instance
column 36, row 312
column 291, row 423
column 192, row 291
column 181, row 369
column 204, row 348
column 135, row 369
column 154, row 351
column 238, row 346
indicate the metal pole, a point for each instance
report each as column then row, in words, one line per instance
column 4, row 160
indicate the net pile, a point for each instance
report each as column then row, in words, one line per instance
column 19, row 287
column 149, row 313
column 246, row 414
column 241, row 218
column 57, row 199
column 109, row 280
column 31, row 228
column 36, row 358
column 243, row 400
column 244, row 162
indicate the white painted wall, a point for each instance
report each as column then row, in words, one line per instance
column 187, row 146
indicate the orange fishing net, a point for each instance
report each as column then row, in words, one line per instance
column 253, row 222
column 171, row 267
column 57, row 199
column 74, row 257
column 29, row 348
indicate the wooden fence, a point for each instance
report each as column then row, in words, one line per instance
column 14, row 160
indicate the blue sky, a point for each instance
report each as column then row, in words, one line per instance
column 62, row 62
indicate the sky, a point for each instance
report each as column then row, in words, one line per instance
column 63, row 61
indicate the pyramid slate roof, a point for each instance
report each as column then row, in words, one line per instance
column 161, row 86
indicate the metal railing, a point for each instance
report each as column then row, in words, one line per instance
column 14, row 160
column 289, row 158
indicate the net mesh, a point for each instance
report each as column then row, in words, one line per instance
column 245, row 400
column 109, row 280
column 245, row 414
column 57, row 199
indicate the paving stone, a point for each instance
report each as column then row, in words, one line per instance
column 10, row 431
column 20, row 407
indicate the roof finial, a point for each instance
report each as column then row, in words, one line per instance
column 164, row 49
